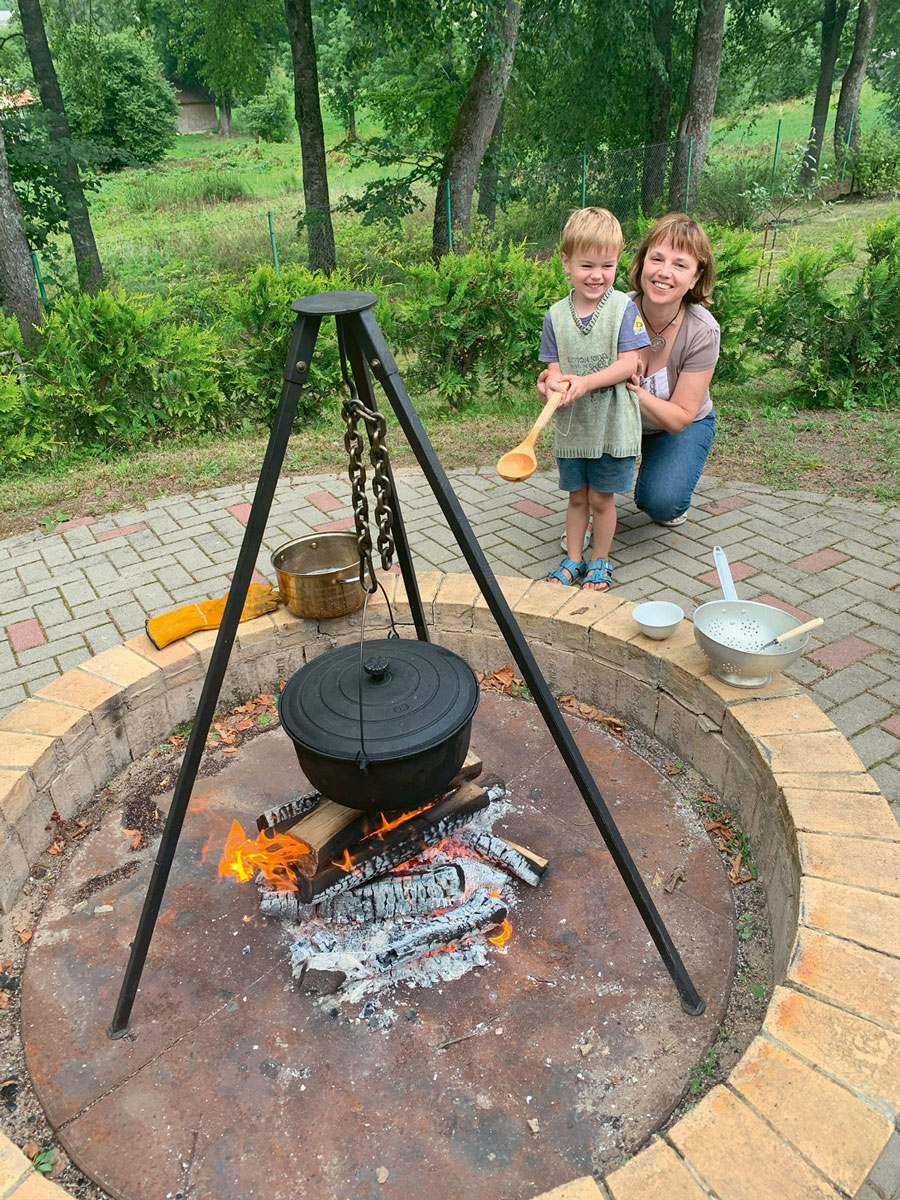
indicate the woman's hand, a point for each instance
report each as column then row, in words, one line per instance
column 546, row 385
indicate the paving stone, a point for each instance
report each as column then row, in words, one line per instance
column 875, row 746
column 851, row 681
column 859, row 713
column 844, row 652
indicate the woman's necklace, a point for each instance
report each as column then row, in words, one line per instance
column 658, row 342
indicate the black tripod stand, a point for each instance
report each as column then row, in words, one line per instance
column 368, row 355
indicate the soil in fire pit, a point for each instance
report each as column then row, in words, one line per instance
column 560, row 1055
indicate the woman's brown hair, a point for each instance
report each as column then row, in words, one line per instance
column 682, row 233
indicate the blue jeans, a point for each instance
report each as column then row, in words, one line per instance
column 671, row 465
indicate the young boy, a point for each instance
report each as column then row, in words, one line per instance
column 590, row 343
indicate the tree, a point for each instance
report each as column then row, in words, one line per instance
column 17, row 287
column 87, row 260
column 345, row 50
column 308, row 111
column 472, row 130
column 854, row 76
column 115, row 94
column 834, row 15
column 659, row 98
column 699, row 104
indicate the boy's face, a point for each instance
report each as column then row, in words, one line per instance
column 591, row 271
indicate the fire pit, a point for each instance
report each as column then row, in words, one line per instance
column 556, row 1056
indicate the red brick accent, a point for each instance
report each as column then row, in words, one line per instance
column 531, row 509
column 892, row 725
column 729, row 504
column 325, row 502
column 842, row 653
column 122, row 531
column 240, row 512
column 820, row 561
column 25, row 635
column 739, row 571
column 800, row 613
column 74, row 523
column 334, row 526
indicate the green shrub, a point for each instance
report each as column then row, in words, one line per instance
column 727, row 188
column 23, row 435
column 473, row 322
column 844, row 346
column 876, row 167
column 271, row 115
column 112, row 370
column 162, row 189
column 735, row 299
column 115, row 94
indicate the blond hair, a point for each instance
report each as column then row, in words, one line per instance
column 685, row 234
column 591, row 229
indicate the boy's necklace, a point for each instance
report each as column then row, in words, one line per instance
column 658, row 342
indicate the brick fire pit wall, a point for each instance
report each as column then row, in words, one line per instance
column 811, row 1107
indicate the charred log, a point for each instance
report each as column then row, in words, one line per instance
column 409, row 894
column 517, row 860
column 285, row 816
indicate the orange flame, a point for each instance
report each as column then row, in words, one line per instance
column 273, row 856
column 501, row 938
column 345, row 863
column 387, row 826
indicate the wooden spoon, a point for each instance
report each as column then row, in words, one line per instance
column 521, row 462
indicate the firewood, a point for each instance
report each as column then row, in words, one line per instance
column 376, row 856
column 517, row 860
column 407, row 894
column 282, row 818
column 471, row 769
column 319, row 961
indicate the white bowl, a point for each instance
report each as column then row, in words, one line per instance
column 658, row 618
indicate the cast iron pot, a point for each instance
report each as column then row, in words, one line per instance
column 401, row 748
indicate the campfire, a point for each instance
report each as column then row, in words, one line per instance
column 373, row 897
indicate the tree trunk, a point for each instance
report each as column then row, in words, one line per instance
column 471, row 134
column 854, row 76
column 699, row 103
column 490, row 172
column 87, row 260
column 352, row 135
column 17, row 287
column 307, row 108
column 834, row 15
column 225, row 116
column 659, row 99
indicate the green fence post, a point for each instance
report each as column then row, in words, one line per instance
column 274, row 247
column 847, row 147
column 38, row 276
column 583, row 180
column 687, row 182
column 775, row 159
column 449, row 223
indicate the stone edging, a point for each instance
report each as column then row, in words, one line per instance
column 812, row 1104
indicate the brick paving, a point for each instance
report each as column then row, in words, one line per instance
column 92, row 582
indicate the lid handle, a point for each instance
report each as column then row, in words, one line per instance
column 376, row 668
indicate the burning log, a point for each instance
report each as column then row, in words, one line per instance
column 409, row 894
column 282, row 818
column 517, row 860
column 375, row 856
column 320, row 965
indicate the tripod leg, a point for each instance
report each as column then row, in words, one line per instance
column 382, row 363
column 302, row 342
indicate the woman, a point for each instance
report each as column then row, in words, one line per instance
column 672, row 275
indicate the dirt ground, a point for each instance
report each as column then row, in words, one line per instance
column 134, row 794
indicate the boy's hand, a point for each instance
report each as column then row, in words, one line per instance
column 575, row 387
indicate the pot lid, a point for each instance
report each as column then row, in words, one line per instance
column 415, row 695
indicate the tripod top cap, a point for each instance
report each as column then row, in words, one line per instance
column 332, row 303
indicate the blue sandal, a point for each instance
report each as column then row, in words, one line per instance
column 598, row 570
column 576, row 572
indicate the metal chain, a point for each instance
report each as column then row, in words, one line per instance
column 354, row 412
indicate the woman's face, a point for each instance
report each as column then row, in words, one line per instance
column 668, row 274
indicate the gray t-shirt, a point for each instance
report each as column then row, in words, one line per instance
column 632, row 334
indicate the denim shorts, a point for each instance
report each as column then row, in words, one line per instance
column 604, row 474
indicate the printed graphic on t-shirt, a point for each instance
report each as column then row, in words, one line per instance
column 638, row 326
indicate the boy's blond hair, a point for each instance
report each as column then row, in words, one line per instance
column 591, row 229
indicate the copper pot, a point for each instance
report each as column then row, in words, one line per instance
column 318, row 575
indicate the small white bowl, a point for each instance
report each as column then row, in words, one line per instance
column 658, row 618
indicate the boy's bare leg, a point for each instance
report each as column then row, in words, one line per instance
column 578, row 514
column 602, row 507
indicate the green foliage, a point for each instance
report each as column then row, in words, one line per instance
column 735, row 300
column 258, row 326
column 21, row 438
column 115, row 94
column 876, row 165
column 110, row 370
column 270, row 116
column 726, row 188
column 474, row 320
column 843, row 345
column 154, row 189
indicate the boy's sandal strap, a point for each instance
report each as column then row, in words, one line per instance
column 599, row 570
column 576, row 571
